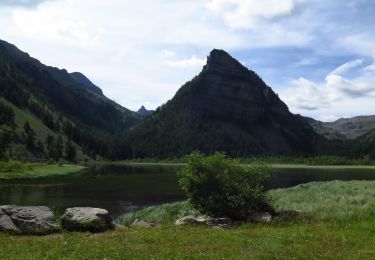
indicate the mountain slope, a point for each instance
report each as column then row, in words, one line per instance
column 344, row 128
column 79, row 77
column 65, row 105
column 225, row 108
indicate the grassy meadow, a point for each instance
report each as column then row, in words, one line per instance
column 342, row 226
column 16, row 170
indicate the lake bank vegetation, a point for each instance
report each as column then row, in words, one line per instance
column 17, row 170
column 331, row 233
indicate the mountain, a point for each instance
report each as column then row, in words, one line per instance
column 144, row 112
column 79, row 77
column 57, row 106
column 227, row 107
column 344, row 128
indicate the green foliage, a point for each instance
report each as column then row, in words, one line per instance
column 70, row 151
column 6, row 115
column 19, row 153
column 6, row 136
column 221, row 187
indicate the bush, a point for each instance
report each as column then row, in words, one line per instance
column 219, row 186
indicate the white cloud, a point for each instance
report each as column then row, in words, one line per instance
column 335, row 91
column 347, row 66
column 193, row 62
column 248, row 14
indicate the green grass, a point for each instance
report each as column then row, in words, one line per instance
column 34, row 170
column 335, row 200
column 342, row 227
column 287, row 241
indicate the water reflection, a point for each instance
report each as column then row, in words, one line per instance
column 122, row 189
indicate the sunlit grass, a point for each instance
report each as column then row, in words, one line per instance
column 34, row 170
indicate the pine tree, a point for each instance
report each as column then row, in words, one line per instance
column 70, row 151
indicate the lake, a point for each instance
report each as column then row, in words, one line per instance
column 123, row 188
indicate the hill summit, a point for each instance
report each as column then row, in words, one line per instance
column 227, row 107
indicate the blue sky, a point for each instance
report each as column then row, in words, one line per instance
column 317, row 55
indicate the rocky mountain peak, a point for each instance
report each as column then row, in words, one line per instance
column 220, row 61
column 144, row 112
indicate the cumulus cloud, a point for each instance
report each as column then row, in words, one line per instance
column 308, row 95
column 248, row 14
column 193, row 62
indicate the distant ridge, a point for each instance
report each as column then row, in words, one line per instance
column 144, row 112
column 344, row 128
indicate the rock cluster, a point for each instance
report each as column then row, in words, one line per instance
column 41, row 220
column 263, row 217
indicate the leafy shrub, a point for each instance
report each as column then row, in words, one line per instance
column 221, row 187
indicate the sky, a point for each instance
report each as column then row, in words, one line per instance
column 318, row 55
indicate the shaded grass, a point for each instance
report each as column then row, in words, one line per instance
column 34, row 170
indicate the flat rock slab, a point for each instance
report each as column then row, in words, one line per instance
column 28, row 220
column 87, row 219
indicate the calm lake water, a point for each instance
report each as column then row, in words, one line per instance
column 122, row 189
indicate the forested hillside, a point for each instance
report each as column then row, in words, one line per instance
column 62, row 113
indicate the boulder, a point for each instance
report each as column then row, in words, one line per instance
column 192, row 220
column 29, row 220
column 261, row 217
column 6, row 223
column 87, row 219
column 144, row 224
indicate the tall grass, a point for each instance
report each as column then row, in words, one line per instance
column 336, row 201
column 162, row 214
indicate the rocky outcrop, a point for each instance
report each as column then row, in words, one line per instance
column 87, row 219
column 28, row 220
